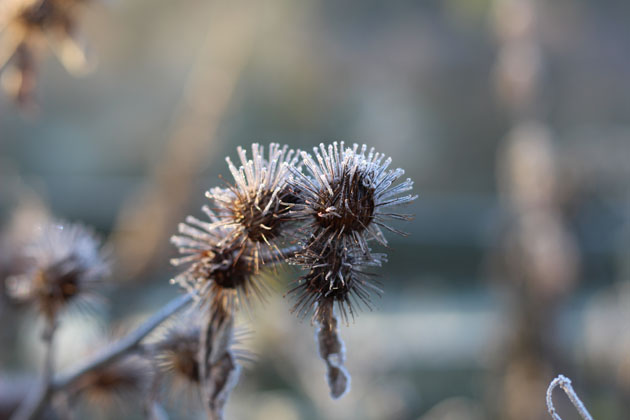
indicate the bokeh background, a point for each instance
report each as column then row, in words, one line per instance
column 511, row 116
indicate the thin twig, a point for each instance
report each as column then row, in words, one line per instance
column 35, row 403
column 124, row 345
column 565, row 384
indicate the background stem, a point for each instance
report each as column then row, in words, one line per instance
column 33, row 405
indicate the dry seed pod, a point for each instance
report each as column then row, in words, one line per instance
column 178, row 353
column 220, row 271
column 25, row 29
column 335, row 274
column 66, row 264
column 257, row 205
column 348, row 195
column 118, row 383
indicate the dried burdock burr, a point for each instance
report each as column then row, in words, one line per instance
column 334, row 274
column 257, row 206
column 122, row 382
column 345, row 199
column 347, row 195
column 221, row 268
column 200, row 352
column 177, row 352
column 249, row 221
column 65, row 265
column 26, row 27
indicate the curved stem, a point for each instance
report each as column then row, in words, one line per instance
column 565, row 384
column 124, row 345
column 33, row 405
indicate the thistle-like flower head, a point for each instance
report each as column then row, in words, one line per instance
column 347, row 195
column 65, row 265
column 257, row 205
column 116, row 384
column 25, row 27
column 335, row 274
column 221, row 268
column 178, row 351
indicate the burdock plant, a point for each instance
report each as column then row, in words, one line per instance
column 26, row 28
column 320, row 213
column 65, row 265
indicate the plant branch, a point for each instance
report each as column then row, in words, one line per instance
column 34, row 403
column 125, row 345
column 565, row 384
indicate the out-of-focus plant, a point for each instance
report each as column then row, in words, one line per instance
column 538, row 260
column 26, row 27
column 320, row 213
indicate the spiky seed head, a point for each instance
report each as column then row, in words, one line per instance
column 221, row 269
column 335, row 274
column 116, row 383
column 31, row 25
column 347, row 194
column 46, row 17
column 178, row 351
column 66, row 264
column 258, row 202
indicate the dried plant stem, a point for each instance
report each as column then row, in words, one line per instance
column 219, row 369
column 124, row 345
column 34, row 404
column 332, row 350
column 565, row 384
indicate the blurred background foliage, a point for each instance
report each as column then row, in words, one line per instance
column 511, row 116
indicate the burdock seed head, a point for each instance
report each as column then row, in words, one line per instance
column 178, row 351
column 29, row 26
column 222, row 270
column 347, row 195
column 116, row 384
column 65, row 265
column 335, row 275
column 256, row 206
